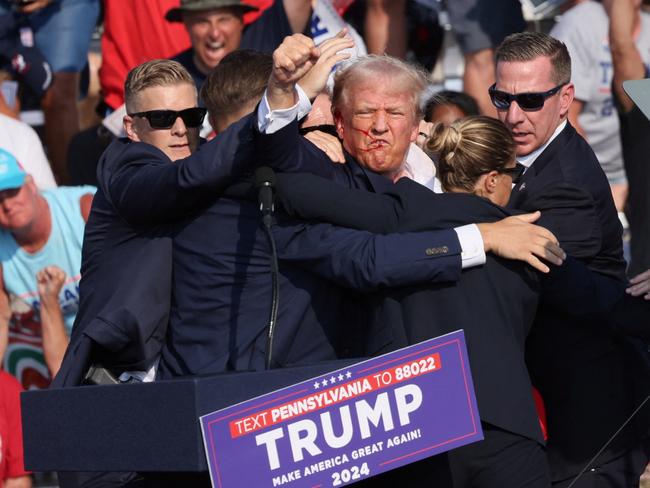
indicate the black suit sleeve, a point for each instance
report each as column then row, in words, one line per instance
column 407, row 207
column 287, row 151
column 365, row 261
column 147, row 188
column 570, row 213
column 311, row 197
column 574, row 289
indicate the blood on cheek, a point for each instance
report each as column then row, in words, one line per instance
column 372, row 144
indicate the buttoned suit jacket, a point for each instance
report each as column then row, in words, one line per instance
column 574, row 365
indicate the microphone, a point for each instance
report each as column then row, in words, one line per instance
column 265, row 184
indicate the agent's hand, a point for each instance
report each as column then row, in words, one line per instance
column 518, row 238
column 327, row 143
column 640, row 285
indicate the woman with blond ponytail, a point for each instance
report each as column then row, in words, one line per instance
column 475, row 155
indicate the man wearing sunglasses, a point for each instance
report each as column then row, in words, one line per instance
column 174, row 132
column 575, row 365
column 127, row 248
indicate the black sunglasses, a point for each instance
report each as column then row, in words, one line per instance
column 515, row 172
column 527, row 101
column 164, row 119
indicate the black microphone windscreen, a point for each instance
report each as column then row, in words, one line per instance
column 264, row 176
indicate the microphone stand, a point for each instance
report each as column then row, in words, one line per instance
column 264, row 182
column 273, row 316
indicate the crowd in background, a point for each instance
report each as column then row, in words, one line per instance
column 62, row 103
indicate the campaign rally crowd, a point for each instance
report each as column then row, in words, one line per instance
column 515, row 206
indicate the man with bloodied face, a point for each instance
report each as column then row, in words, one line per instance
column 377, row 114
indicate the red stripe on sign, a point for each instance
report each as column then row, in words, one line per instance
column 334, row 395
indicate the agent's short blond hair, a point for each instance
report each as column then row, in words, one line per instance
column 469, row 148
column 157, row 72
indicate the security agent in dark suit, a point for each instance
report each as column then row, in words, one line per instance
column 474, row 156
column 574, row 366
column 126, row 266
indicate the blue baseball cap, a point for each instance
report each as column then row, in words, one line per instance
column 11, row 174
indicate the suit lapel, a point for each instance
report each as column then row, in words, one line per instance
column 519, row 192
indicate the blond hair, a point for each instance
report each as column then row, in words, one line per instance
column 157, row 72
column 409, row 78
column 468, row 148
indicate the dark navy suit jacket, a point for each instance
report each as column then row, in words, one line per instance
column 567, row 181
column 576, row 366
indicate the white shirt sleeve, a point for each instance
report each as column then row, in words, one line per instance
column 471, row 244
column 270, row 121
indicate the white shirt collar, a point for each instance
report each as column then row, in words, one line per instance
column 529, row 159
column 419, row 167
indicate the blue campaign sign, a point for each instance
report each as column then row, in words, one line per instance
column 349, row 424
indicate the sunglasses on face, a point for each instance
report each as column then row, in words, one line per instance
column 515, row 172
column 164, row 119
column 527, row 101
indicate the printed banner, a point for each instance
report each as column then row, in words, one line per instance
column 349, row 424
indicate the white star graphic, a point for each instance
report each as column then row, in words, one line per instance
column 332, row 379
column 341, row 377
column 348, row 375
column 324, row 382
column 316, row 385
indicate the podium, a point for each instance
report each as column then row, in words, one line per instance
column 139, row 426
